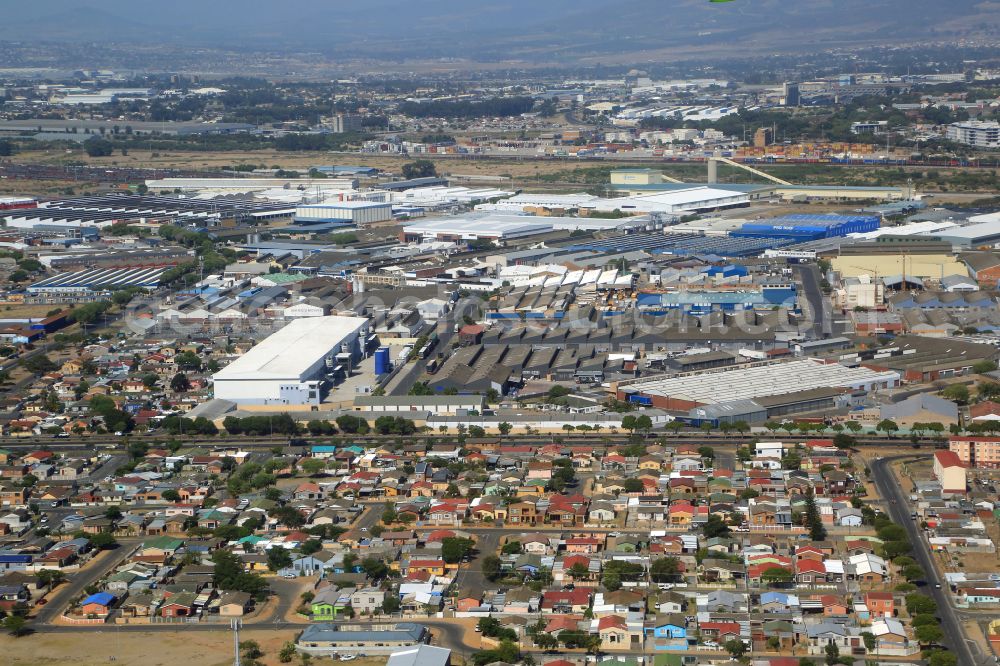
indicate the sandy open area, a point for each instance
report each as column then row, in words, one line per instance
column 130, row 648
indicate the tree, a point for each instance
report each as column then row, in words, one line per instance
column 278, row 558
column 956, row 393
column 477, row 431
column 941, row 658
column 984, row 366
column 920, row 604
column 887, row 426
column 38, row 364
column 179, row 383
column 313, row 466
column 97, row 147
column 287, row 652
column 390, row 604
column 188, row 360
column 817, row 532
column 665, row 570
column 776, row 575
column 928, row 634
column 102, row 541
column 832, row 654
column 50, row 577
column 546, row 641
column 352, row 424
column 374, row 568
column 844, row 441
column 251, row 650
column 715, row 526
column 643, row 423
column 15, row 625
column 453, row 549
column 311, row 546
column 870, row 640
column 229, row 574
column 629, row 423
column 505, row 428
column 419, row 169
column 735, row 647
column 491, row 567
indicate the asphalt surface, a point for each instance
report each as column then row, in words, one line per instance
column 412, row 373
column 697, row 437
column 90, row 574
column 898, row 509
column 470, row 574
column 810, row 278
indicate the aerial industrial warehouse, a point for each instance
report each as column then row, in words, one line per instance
column 290, row 366
column 725, row 385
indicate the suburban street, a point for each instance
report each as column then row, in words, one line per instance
column 889, row 488
column 76, row 583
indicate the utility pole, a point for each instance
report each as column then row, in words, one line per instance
column 235, row 624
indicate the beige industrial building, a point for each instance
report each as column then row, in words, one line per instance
column 636, row 177
column 923, row 266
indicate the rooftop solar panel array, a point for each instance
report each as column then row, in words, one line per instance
column 101, row 279
column 117, row 206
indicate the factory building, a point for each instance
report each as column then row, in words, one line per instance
column 490, row 227
column 808, row 227
column 359, row 213
column 294, row 365
column 983, row 232
column 759, row 383
column 99, row 280
column 702, row 301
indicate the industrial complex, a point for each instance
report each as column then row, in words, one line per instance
column 293, row 366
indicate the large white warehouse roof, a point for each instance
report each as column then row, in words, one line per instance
column 756, row 382
column 488, row 226
column 294, row 350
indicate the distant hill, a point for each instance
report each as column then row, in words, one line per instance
column 500, row 29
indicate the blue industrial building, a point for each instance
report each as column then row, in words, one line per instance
column 704, row 302
column 727, row 271
column 808, row 227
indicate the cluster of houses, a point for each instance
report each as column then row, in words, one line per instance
column 577, row 555
column 58, row 402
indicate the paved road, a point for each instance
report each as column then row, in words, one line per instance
column 599, row 443
column 93, row 572
column 371, row 515
column 888, row 487
column 810, row 278
column 400, row 383
column 470, row 575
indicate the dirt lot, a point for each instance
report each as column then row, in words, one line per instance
column 25, row 311
column 204, row 648
column 198, row 648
